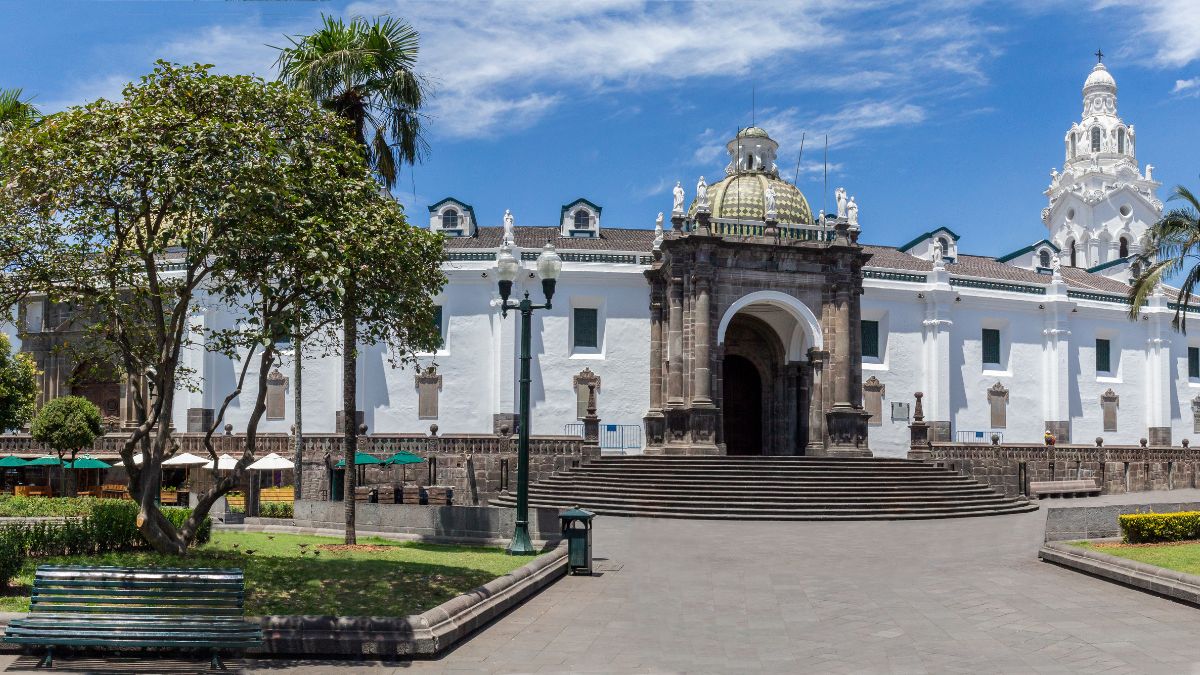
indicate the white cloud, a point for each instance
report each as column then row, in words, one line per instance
column 1167, row 30
column 243, row 49
column 1189, row 88
column 484, row 116
column 105, row 86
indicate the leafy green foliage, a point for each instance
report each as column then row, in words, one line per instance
column 1172, row 247
column 12, row 557
column 18, row 387
column 12, row 506
column 67, row 424
column 110, row 525
column 16, row 112
column 276, row 510
column 363, row 71
column 1140, row 528
column 229, row 191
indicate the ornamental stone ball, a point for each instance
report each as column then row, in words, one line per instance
column 1143, row 442
column 1186, row 442
column 995, row 439
column 228, row 429
column 433, row 429
column 362, row 429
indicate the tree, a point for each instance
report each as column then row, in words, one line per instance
column 1172, row 247
column 363, row 71
column 16, row 113
column 18, row 387
column 225, row 193
column 68, row 424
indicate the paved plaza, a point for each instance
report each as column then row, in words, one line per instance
column 966, row 596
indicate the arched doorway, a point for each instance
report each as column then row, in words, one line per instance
column 743, row 407
column 99, row 384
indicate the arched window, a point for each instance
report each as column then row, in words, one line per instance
column 1071, row 249
column 1124, row 249
column 1044, row 258
column 449, row 219
column 1074, row 138
column 945, row 246
column 1121, row 140
column 583, row 219
column 1095, row 139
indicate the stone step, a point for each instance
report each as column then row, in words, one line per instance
column 679, row 487
column 842, row 503
column 617, row 482
column 789, row 475
column 768, row 512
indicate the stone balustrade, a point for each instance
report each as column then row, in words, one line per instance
column 1116, row 469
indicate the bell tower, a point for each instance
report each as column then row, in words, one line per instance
column 1102, row 203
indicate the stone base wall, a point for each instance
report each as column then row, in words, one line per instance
column 478, row 467
column 453, row 523
column 1118, row 469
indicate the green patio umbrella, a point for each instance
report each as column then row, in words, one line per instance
column 87, row 462
column 44, row 460
column 12, row 461
column 403, row 458
column 360, row 459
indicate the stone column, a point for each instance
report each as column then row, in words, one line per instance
column 1056, row 368
column 655, row 426
column 703, row 369
column 675, row 345
column 844, row 394
column 816, row 407
column 1158, row 370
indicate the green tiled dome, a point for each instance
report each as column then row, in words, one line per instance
column 740, row 196
column 753, row 132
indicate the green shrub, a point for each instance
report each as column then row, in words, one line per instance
column 1139, row 528
column 276, row 510
column 39, row 507
column 178, row 514
column 12, row 556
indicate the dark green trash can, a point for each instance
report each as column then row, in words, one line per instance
column 577, row 530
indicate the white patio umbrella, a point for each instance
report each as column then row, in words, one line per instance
column 224, row 463
column 185, row 459
column 272, row 462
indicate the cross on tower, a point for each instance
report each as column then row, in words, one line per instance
column 1099, row 56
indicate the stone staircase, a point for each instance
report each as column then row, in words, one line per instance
column 769, row 488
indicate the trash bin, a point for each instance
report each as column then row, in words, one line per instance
column 577, row 530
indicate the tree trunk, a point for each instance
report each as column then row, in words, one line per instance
column 298, row 474
column 349, row 403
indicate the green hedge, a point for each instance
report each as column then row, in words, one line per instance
column 37, row 507
column 1140, row 528
column 276, row 510
column 111, row 526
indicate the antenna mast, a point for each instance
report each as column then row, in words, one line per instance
column 796, row 178
column 825, row 183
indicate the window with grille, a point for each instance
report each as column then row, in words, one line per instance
column 1194, row 362
column 585, row 330
column 583, row 219
column 991, row 346
column 870, row 339
column 450, row 219
column 1095, row 139
column 1103, row 356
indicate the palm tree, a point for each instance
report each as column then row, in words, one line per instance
column 16, row 113
column 1172, row 247
column 363, row 72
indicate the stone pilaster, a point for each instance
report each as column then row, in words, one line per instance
column 675, row 343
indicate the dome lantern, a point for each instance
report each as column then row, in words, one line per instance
column 740, row 196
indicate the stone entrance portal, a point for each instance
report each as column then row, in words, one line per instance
column 743, row 411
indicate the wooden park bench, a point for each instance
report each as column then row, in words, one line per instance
column 1064, row 488
column 123, row 607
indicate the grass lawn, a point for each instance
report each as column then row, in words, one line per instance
column 392, row 579
column 1179, row 556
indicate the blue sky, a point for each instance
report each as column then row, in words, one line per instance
column 938, row 113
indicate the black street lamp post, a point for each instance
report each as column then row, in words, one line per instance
column 549, row 264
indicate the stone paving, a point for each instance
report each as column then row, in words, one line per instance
column 947, row 596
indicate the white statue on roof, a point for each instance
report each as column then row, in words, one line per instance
column 701, row 195
column 677, row 208
column 852, row 212
column 658, row 230
column 840, row 195
column 769, row 202
column 508, row 227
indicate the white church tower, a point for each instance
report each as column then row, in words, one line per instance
column 1101, row 204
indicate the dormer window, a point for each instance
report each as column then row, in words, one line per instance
column 580, row 218
column 1121, row 140
column 1044, row 258
column 1095, row 139
column 583, row 220
column 450, row 219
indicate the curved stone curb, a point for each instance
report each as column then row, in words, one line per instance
column 421, row 635
column 1149, row 578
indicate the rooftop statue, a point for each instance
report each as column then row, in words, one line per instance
column 840, row 195
column 769, row 201
column 701, row 195
column 852, row 212
column 678, row 192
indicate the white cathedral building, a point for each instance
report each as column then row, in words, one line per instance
column 745, row 325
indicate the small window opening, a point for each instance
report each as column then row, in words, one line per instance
column 1124, row 248
column 450, row 219
column 1044, row 258
column 1121, row 141
column 1095, row 139
column 583, row 220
